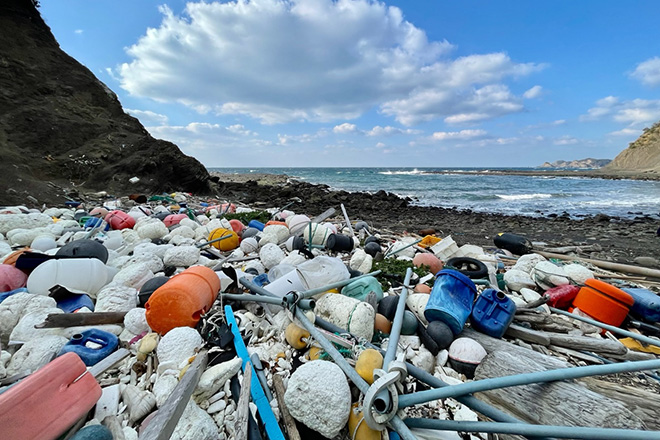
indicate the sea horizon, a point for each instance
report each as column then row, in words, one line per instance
column 460, row 188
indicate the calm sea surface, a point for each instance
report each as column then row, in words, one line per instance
column 525, row 195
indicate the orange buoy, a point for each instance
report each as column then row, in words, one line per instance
column 603, row 302
column 183, row 299
column 228, row 244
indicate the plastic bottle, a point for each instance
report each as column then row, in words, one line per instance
column 88, row 275
column 451, row 299
column 91, row 345
column 492, row 313
column 182, row 300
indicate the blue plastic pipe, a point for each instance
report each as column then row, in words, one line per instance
column 640, row 338
column 258, row 397
column 524, row 379
column 578, row 432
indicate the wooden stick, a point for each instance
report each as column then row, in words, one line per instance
column 348, row 222
column 162, row 425
column 81, row 319
column 243, row 405
column 289, row 423
column 529, row 335
column 645, row 271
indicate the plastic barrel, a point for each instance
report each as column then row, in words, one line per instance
column 182, row 300
column 451, row 299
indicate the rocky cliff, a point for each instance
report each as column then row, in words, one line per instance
column 61, row 129
column 641, row 156
column 588, row 163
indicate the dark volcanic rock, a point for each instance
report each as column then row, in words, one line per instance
column 59, row 123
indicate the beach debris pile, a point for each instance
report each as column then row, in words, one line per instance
column 173, row 316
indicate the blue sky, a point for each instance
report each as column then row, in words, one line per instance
column 362, row 83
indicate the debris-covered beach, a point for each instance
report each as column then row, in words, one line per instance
column 281, row 309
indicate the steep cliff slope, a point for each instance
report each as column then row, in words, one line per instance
column 60, row 124
column 642, row 156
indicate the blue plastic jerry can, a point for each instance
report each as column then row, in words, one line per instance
column 492, row 313
column 91, row 345
column 647, row 303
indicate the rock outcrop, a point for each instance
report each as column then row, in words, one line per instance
column 641, row 156
column 61, row 129
column 588, row 163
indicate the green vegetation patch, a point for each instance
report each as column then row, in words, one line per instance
column 393, row 272
column 246, row 217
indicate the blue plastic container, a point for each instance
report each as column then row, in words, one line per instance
column 74, row 302
column 451, row 299
column 93, row 222
column 261, row 280
column 83, row 344
column 5, row 295
column 492, row 313
column 256, row 224
column 647, row 304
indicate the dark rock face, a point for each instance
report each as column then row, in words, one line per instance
column 59, row 123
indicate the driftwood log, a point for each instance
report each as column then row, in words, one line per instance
column 570, row 403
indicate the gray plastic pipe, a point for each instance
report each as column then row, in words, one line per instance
column 534, row 430
column 524, row 379
column 393, row 343
column 421, row 375
column 640, row 338
column 312, row 292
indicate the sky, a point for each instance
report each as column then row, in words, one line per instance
column 356, row 83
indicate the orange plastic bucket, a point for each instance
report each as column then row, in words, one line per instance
column 183, row 299
column 603, row 302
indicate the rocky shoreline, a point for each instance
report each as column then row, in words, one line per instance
column 610, row 238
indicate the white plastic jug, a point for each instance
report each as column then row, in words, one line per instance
column 87, row 275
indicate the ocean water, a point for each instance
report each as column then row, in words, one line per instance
column 525, row 195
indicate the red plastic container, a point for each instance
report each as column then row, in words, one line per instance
column 182, row 300
column 603, row 302
column 562, row 296
column 46, row 403
column 174, row 219
column 119, row 220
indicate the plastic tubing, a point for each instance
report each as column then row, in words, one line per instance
column 532, row 430
column 524, row 379
column 312, row 292
column 262, row 299
column 393, row 343
column 641, row 338
column 419, row 374
column 362, row 385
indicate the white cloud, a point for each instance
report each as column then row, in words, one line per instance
column 78, row 31
column 458, row 135
column 320, row 60
column 200, row 136
column 457, row 107
column 147, row 117
column 534, row 92
column 566, row 140
column 630, row 132
column 345, row 128
column 390, row 131
column 380, row 145
column 648, row 72
column 634, row 112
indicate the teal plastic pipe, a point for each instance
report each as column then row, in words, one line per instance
column 524, row 379
column 640, row 338
column 578, row 432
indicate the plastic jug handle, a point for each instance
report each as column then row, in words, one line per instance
column 97, row 341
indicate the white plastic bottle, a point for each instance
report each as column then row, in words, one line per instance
column 87, row 275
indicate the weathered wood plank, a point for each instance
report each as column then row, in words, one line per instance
column 243, row 405
column 289, row 422
column 80, row 319
column 164, row 422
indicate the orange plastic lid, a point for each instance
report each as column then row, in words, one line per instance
column 611, row 291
